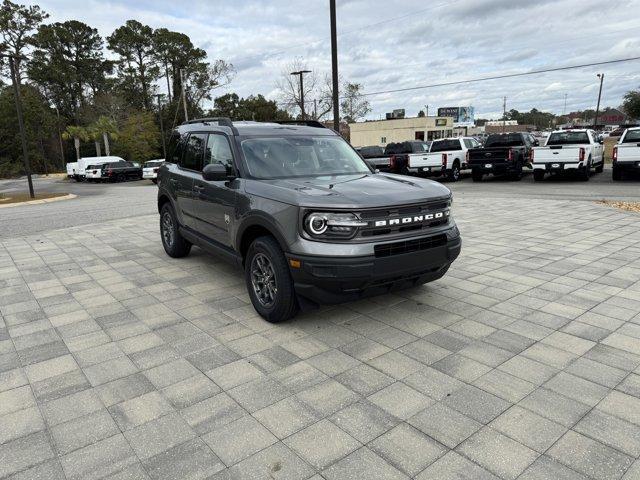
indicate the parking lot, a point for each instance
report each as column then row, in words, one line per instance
column 117, row 361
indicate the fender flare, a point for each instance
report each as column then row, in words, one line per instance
column 262, row 220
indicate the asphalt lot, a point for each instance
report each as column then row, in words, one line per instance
column 117, row 361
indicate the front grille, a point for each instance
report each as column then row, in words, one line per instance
column 372, row 216
column 408, row 246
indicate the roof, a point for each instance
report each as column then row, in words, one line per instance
column 106, row 158
column 247, row 128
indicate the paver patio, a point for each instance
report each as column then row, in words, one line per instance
column 117, row 361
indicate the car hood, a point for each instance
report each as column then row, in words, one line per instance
column 349, row 191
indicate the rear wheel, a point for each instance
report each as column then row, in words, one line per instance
column 120, row 178
column 585, row 172
column 269, row 281
column 516, row 175
column 600, row 168
column 538, row 175
column 476, row 176
column 154, row 180
column 453, row 175
column 173, row 242
column 617, row 174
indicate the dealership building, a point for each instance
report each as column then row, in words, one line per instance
column 382, row 132
column 450, row 121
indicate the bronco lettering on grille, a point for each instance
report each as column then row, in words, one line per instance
column 411, row 220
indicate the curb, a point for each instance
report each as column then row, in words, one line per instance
column 38, row 202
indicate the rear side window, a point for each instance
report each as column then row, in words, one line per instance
column 175, row 148
column 194, row 151
column 371, row 152
column 218, row 151
column 632, row 136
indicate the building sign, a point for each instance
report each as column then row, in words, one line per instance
column 462, row 116
column 441, row 122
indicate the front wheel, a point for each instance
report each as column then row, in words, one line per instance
column 173, row 242
column 269, row 281
column 538, row 175
column 476, row 176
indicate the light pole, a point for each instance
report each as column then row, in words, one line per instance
column 23, row 138
column 334, row 66
column 595, row 121
column 300, row 74
column 164, row 146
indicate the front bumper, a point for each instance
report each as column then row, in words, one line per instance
column 329, row 280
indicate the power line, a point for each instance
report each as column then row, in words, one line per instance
column 499, row 77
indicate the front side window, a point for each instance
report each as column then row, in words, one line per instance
column 218, row 151
column 194, row 151
column 287, row 157
column 568, row 138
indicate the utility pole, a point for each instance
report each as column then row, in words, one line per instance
column 564, row 109
column 315, row 109
column 23, row 138
column 504, row 113
column 164, row 146
column 595, row 121
column 334, row 66
column 300, row 74
column 184, row 96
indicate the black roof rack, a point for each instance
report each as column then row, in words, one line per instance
column 221, row 121
column 307, row 123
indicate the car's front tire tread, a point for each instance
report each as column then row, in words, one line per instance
column 180, row 246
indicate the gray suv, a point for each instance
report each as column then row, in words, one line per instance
column 297, row 208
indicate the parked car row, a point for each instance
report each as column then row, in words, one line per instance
column 576, row 151
column 111, row 169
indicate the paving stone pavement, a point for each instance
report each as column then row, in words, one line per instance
column 119, row 362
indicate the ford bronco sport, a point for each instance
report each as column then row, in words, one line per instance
column 308, row 220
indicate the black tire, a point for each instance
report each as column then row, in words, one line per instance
column 585, row 172
column 154, row 180
column 600, row 168
column 516, row 175
column 120, row 178
column 265, row 255
column 173, row 242
column 538, row 175
column 617, row 174
column 476, row 176
column 453, row 174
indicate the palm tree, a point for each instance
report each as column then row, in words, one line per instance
column 108, row 128
column 78, row 134
column 95, row 134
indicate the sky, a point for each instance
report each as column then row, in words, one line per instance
column 406, row 43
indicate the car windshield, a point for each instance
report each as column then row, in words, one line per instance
column 287, row 157
column 632, row 136
column 568, row 138
column 507, row 140
column 371, row 152
column 445, row 145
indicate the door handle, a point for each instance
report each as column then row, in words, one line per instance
column 198, row 188
column 173, row 181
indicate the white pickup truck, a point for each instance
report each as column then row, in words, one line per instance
column 626, row 154
column 574, row 150
column 447, row 156
column 71, row 169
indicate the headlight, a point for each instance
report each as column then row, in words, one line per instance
column 324, row 225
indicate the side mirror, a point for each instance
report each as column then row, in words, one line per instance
column 214, row 172
column 536, row 143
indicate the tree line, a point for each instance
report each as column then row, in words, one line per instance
column 79, row 102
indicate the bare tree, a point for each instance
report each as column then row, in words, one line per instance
column 354, row 106
column 208, row 77
column 289, row 87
